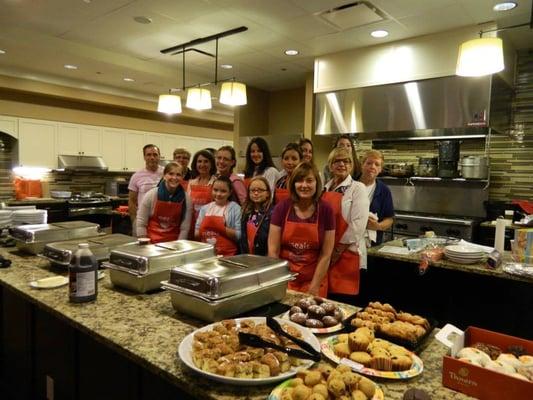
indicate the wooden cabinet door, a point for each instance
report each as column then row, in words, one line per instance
column 133, row 150
column 90, row 140
column 113, row 148
column 68, row 138
column 37, row 143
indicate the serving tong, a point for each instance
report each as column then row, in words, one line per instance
column 307, row 351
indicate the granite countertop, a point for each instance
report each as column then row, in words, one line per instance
column 146, row 329
column 477, row 268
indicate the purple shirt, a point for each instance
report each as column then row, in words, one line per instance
column 326, row 218
column 144, row 180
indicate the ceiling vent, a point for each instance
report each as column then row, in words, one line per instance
column 352, row 15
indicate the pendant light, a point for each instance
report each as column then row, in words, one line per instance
column 233, row 93
column 198, row 98
column 169, row 104
column 479, row 57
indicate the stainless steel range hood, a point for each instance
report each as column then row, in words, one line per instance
column 81, row 163
column 440, row 108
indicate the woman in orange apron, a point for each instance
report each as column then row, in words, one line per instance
column 350, row 204
column 199, row 188
column 259, row 163
column 255, row 220
column 219, row 221
column 302, row 231
column 165, row 212
column 290, row 158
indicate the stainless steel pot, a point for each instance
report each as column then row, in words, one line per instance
column 475, row 167
column 427, row 166
column 401, row 170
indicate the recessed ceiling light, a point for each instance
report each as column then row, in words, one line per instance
column 505, row 6
column 142, row 19
column 226, row 66
column 128, row 80
column 70, row 66
column 2, row 51
column 292, row 52
column 380, row 33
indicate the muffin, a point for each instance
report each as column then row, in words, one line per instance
column 401, row 363
column 358, row 342
column 342, row 349
column 361, row 357
column 381, row 363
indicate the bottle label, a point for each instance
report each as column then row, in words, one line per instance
column 83, row 284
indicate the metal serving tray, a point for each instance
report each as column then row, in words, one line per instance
column 216, row 310
column 33, row 238
column 222, row 277
column 61, row 252
column 137, row 283
column 150, row 258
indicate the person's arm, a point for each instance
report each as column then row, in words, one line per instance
column 240, row 190
column 187, row 219
column 383, row 225
column 132, row 204
column 323, row 262
column 274, row 240
column 201, row 215
column 232, row 225
column 144, row 213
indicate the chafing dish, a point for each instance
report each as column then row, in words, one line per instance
column 33, row 238
column 221, row 288
column 141, row 268
column 61, row 252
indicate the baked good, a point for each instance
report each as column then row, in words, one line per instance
column 381, row 362
column 361, row 357
column 474, row 355
column 315, row 312
column 500, row 367
column 358, row 342
column 416, row 394
column 508, row 358
column 491, row 350
column 401, row 363
column 342, row 349
column 526, row 360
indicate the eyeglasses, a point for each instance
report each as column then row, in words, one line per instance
column 258, row 190
column 344, row 161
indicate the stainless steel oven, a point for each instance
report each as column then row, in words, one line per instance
column 91, row 208
column 414, row 225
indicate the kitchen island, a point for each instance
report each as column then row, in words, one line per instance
column 450, row 292
column 121, row 346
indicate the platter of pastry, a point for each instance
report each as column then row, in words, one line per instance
column 317, row 314
column 406, row 329
column 215, row 352
column 368, row 355
column 326, row 382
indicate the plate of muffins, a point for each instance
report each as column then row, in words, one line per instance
column 372, row 356
column 322, row 381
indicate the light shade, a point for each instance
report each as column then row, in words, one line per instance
column 169, row 104
column 480, row 57
column 233, row 94
column 199, row 99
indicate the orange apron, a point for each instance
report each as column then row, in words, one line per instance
column 164, row 224
column 247, row 182
column 214, row 227
column 251, row 231
column 280, row 195
column 200, row 196
column 184, row 184
column 343, row 276
column 300, row 246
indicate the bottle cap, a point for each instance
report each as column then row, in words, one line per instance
column 83, row 245
column 143, row 241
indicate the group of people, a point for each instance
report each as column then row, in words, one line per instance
column 321, row 224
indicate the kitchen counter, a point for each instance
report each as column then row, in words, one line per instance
column 40, row 200
column 477, row 268
column 147, row 330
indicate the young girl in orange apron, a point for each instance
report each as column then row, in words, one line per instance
column 256, row 215
column 164, row 224
column 290, row 158
column 214, row 227
column 300, row 246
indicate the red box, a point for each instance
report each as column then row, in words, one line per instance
column 484, row 383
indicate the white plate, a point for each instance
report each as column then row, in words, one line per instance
column 185, row 350
column 466, row 257
column 458, row 248
column 464, row 260
column 51, row 282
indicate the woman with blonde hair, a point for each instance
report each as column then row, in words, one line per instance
column 349, row 202
column 302, row 231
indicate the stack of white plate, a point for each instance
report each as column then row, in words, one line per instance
column 5, row 218
column 463, row 254
column 21, row 217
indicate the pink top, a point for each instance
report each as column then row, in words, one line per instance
column 144, row 180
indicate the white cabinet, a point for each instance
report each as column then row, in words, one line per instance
column 9, row 125
column 79, row 140
column 159, row 140
column 37, row 143
column 122, row 149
